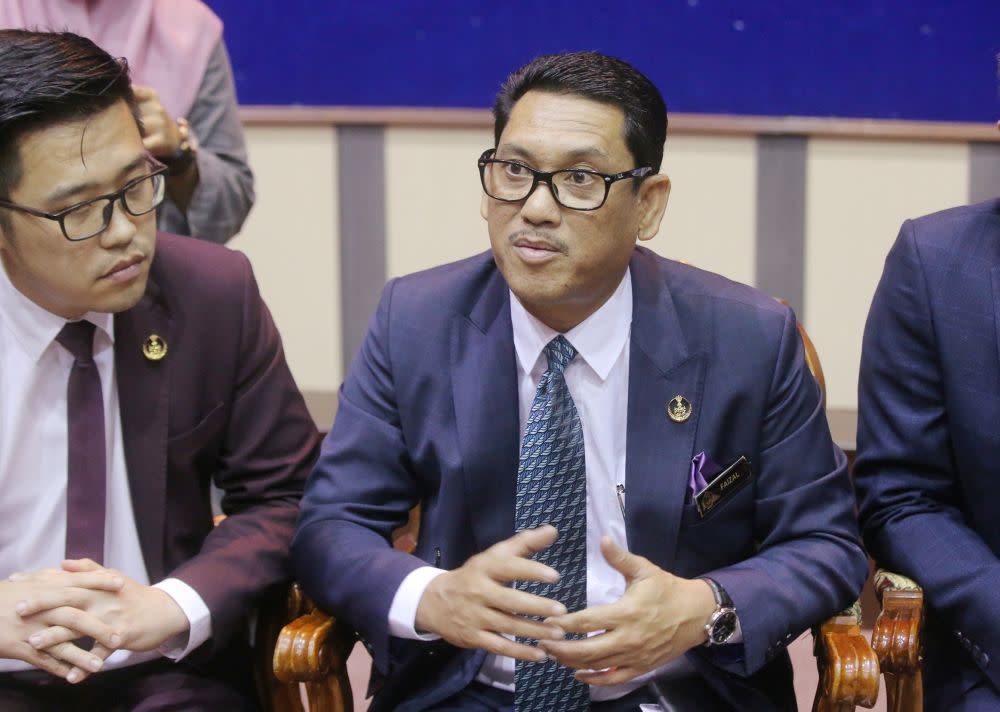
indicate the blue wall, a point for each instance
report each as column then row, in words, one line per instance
column 910, row 59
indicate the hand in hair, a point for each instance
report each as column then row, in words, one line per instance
column 160, row 134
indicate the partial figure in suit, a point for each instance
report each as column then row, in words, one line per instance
column 136, row 370
column 929, row 442
column 602, row 442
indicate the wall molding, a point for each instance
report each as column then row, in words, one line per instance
column 700, row 124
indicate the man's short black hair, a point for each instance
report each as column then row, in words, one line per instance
column 51, row 78
column 601, row 78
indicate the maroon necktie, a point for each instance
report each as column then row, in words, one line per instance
column 86, row 464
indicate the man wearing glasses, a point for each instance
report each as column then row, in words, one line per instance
column 627, row 485
column 136, row 370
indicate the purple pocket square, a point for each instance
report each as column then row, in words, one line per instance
column 703, row 471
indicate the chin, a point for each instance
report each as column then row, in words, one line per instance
column 124, row 300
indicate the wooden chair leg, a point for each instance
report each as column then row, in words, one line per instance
column 896, row 641
column 331, row 695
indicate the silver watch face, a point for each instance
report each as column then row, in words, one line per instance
column 722, row 627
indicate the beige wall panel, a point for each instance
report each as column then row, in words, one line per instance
column 858, row 194
column 710, row 219
column 432, row 197
column 293, row 242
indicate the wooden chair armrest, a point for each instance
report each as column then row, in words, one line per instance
column 312, row 647
column 896, row 635
column 849, row 670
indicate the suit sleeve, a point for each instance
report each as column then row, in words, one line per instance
column 905, row 473
column 809, row 562
column 361, row 491
column 270, row 444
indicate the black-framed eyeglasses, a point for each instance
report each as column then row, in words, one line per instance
column 92, row 217
column 573, row 188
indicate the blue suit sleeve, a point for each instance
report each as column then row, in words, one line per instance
column 905, row 473
column 360, row 491
column 809, row 562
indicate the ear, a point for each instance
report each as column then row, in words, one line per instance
column 484, row 203
column 653, row 195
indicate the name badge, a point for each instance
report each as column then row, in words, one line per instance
column 727, row 483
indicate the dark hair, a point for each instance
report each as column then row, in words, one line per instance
column 601, row 78
column 51, row 78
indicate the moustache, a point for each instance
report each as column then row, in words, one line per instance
column 535, row 238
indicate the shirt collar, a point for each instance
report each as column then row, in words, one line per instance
column 35, row 328
column 598, row 339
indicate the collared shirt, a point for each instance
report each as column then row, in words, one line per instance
column 598, row 382
column 34, row 373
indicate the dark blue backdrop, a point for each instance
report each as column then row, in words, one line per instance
column 911, row 59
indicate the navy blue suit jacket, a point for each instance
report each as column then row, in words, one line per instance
column 929, row 438
column 429, row 414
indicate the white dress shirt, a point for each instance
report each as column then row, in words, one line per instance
column 34, row 373
column 598, row 382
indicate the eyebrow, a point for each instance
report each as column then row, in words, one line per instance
column 71, row 190
column 577, row 154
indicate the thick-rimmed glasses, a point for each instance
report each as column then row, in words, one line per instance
column 573, row 188
column 92, row 217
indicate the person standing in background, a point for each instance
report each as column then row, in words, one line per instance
column 187, row 99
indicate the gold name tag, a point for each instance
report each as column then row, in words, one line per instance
column 726, row 484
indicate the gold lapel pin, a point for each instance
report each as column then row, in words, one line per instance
column 679, row 409
column 154, row 348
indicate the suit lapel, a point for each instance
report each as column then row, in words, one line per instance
column 484, row 387
column 658, row 450
column 143, row 394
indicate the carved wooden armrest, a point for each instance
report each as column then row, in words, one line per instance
column 312, row 647
column 896, row 635
column 848, row 666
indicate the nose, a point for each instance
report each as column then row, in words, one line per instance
column 121, row 226
column 540, row 207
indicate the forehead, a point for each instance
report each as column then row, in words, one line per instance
column 86, row 152
column 546, row 124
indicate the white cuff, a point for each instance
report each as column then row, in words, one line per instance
column 403, row 611
column 199, row 619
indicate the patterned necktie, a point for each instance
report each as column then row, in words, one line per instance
column 86, row 463
column 552, row 489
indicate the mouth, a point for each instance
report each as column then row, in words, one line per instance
column 532, row 249
column 125, row 269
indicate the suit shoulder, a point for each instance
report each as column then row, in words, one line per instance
column 963, row 226
column 690, row 284
column 197, row 265
column 192, row 274
column 716, row 313
column 444, row 288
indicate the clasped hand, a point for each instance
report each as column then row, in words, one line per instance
column 43, row 612
column 659, row 617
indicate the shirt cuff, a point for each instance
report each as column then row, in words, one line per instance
column 199, row 620
column 403, row 611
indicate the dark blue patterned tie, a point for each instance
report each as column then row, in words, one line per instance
column 552, row 489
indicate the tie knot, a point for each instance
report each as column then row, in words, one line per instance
column 559, row 352
column 77, row 337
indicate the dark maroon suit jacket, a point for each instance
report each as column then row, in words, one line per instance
column 220, row 407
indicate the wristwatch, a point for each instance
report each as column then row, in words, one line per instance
column 186, row 151
column 721, row 627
